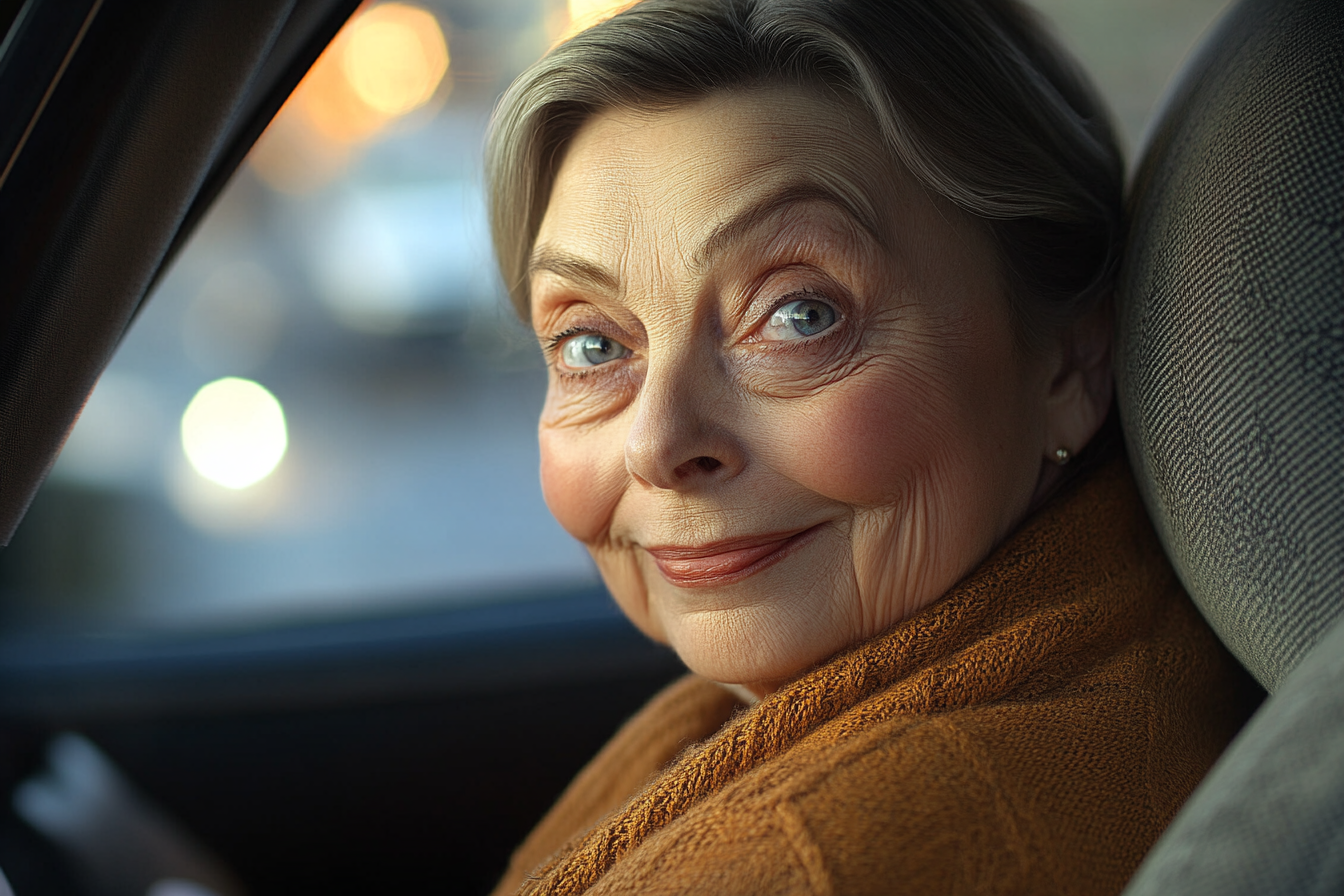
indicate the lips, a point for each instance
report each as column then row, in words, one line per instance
column 727, row 561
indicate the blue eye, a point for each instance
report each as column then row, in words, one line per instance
column 590, row 350
column 799, row 319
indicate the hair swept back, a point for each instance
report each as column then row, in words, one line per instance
column 972, row 97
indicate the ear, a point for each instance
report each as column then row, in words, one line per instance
column 1080, row 391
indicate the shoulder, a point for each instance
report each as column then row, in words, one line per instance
column 1061, row 788
column 901, row 804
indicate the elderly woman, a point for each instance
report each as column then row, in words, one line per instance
column 822, row 286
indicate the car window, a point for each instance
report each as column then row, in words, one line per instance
column 326, row 405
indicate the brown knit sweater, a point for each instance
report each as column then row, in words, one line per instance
column 1031, row 732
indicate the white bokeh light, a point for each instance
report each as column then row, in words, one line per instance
column 395, row 57
column 233, row 432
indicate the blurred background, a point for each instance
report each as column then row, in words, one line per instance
column 326, row 407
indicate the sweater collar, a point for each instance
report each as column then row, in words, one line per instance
column 1073, row 578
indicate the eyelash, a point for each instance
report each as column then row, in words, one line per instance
column 553, row 343
column 552, row 350
column 806, row 292
column 808, row 343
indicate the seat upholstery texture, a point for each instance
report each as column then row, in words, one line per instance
column 1231, row 379
column 1231, row 329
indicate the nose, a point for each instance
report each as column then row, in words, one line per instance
column 682, row 436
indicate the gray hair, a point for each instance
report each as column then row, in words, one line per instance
column 972, row 97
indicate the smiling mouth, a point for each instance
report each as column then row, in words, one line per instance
column 727, row 561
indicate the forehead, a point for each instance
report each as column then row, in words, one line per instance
column 685, row 170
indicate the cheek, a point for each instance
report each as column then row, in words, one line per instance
column 582, row 479
column 959, row 429
column 862, row 442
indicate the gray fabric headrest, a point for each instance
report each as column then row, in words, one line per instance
column 1231, row 329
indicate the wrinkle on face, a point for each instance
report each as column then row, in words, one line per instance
column 904, row 437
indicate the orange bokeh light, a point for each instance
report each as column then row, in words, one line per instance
column 388, row 60
column 587, row 13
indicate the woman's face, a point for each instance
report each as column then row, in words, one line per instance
column 786, row 408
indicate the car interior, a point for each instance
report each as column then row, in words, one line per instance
column 406, row 740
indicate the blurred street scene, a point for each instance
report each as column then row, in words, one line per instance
column 326, row 406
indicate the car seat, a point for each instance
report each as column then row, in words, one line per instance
column 1230, row 364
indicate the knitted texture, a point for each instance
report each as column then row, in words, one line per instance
column 1033, row 731
column 686, row 711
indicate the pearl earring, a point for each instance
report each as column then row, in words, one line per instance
column 1062, row 456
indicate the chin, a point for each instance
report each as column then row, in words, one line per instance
column 759, row 646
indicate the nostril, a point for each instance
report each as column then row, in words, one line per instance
column 689, row 470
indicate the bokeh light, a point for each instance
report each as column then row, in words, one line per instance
column 587, row 13
column 394, row 58
column 233, row 432
column 388, row 61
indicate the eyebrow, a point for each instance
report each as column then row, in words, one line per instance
column 753, row 216
column 573, row 267
column 570, row 267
